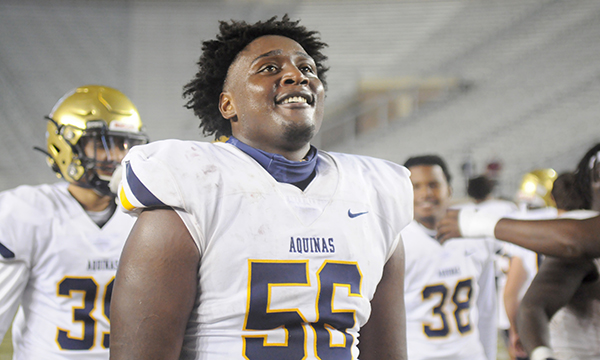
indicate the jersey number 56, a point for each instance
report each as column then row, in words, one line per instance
column 264, row 275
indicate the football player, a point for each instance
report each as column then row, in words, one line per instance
column 535, row 202
column 449, row 289
column 568, row 280
column 566, row 238
column 262, row 247
column 561, row 306
column 60, row 243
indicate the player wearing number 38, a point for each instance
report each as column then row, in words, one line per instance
column 450, row 292
column 262, row 247
column 60, row 243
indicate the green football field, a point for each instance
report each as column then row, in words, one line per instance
column 6, row 347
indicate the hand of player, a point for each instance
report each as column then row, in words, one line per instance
column 448, row 227
column 515, row 348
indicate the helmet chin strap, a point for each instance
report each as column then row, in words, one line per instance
column 91, row 180
column 100, row 186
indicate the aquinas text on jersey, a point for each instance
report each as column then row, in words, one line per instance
column 311, row 245
column 103, row 264
column 449, row 271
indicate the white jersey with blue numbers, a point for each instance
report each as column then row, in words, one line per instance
column 59, row 266
column 284, row 273
column 450, row 297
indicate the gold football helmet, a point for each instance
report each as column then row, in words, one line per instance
column 536, row 187
column 89, row 131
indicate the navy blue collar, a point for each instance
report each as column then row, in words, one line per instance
column 298, row 173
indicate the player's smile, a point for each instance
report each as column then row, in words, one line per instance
column 295, row 100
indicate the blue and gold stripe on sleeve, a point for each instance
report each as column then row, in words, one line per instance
column 134, row 194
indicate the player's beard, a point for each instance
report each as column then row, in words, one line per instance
column 297, row 135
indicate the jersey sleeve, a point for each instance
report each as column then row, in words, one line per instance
column 148, row 180
column 153, row 176
column 13, row 279
column 395, row 197
column 22, row 215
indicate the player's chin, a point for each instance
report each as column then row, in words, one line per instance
column 299, row 132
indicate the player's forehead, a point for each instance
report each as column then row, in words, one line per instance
column 269, row 46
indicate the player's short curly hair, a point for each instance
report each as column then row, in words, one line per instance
column 429, row 160
column 204, row 90
column 480, row 187
column 566, row 194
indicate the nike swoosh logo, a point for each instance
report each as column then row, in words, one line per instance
column 353, row 215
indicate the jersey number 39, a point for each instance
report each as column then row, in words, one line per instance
column 88, row 287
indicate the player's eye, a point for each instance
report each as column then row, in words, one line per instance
column 268, row 68
column 307, row 69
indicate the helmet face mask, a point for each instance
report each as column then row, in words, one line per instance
column 90, row 130
column 102, row 152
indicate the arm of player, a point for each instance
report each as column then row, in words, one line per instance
column 155, row 288
column 566, row 238
column 384, row 335
column 553, row 287
column 13, row 279
column 515, row 280
column 486, row 304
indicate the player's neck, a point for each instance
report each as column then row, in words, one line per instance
column 429, row 223
column 290, row 153
column 89, row 199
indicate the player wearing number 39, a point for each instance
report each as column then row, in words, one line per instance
column 60, row 243
column 449, row 289
column 262, row 247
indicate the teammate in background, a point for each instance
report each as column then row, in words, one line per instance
column 535, row 201
column 60, row 243
column 565, row 238
column 566, row 291
column 480, row 189
column 262, row 247
column 450, row 293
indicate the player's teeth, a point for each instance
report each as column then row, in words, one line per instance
column 294, row 99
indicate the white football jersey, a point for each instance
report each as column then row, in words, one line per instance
column 449, row 289
column 284, row 273
column 59, row 266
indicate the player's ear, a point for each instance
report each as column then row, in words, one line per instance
column 226, row 106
